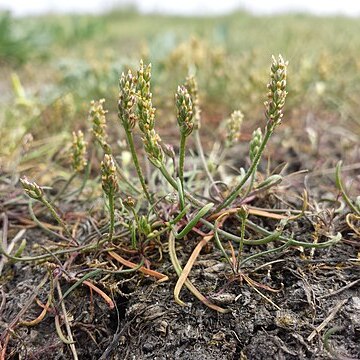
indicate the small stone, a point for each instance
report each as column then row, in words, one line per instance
column 219, row 336
column 162, row 327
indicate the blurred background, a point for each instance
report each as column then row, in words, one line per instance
column 186, row 7
column 58, row 56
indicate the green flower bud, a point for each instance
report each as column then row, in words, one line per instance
column 276, row 92
column 129, row 202
column 98, row 120
column 185, row 113
column 255, row 143
column 153, row 148
column 78, row 151
column 32, row 189
column 126, row 100
column 108, row 175
column 144, row 109
column 192, row 87
column 233, row 126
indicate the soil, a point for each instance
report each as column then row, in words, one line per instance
column 306, row 295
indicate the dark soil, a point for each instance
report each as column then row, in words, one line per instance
column 148, row 324
column 314, row 291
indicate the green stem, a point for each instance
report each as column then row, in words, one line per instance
column 168, row 225
column 181, row 214
column 130, row 141
column 174, row 184
column 334, row 239
column 266, row 252
column 202, row 212
column 182, row 158
column 79, row 249
column 200, row 150
column 340, row 186
column 241, row 243
column 57, row 218
column 112, row 215
column 181, row 194
column 327, row 345
column 251, row 185
column 269, row 235
column 40, row 224
column 219, row 244
column 168, row 177
column 232, row 196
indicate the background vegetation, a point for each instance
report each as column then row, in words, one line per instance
column 63, row 62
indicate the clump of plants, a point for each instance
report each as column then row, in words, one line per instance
column 175, row 202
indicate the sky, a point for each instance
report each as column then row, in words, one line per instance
column 186, row 7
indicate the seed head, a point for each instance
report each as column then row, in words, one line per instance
column 98, row 120
column 108, row 175
column 144, row 111
column 233, row 126
column 185, row 114
column 243, row 212
column 169, row 150
column 276, row 92
column 78, row 151
column 129, row 202
column 127, row 100
column 255, row 143
column 192, row 87
column 153, row 148
column 32, row 189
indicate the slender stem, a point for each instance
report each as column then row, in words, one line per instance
column 251, row 185
column 168, row 225
column 173, row 183
column 249, row 173
column 80, row 249
column 112, row 215
column 71, row 342
column 130, row 141
column 40, row 224
column 196, row 202
column 181, row 194
column 219, row 244
column 57, row 218
column 241, row 243
column 192, row 223
column 200, row 150
column 182, row 158
column 292, row 242
column 266, row 252
column 340, row 186
column 94, row 273
column 270, row 236
column 168, row 177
